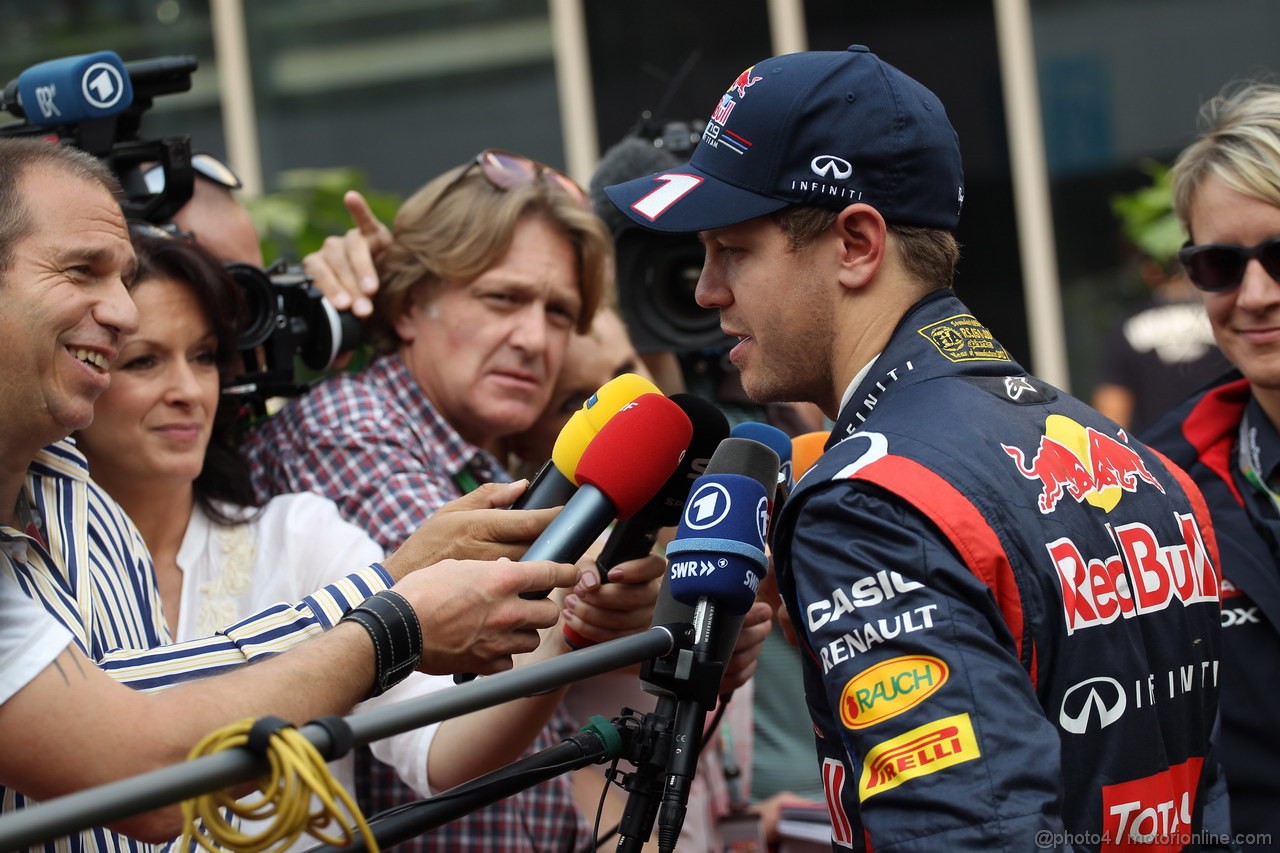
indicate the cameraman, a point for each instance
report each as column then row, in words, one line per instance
column 65, row 266
column 213, row 215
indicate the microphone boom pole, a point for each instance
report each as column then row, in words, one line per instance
column 107, row 803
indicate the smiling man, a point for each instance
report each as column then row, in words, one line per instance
column 77, row 586
column 994, row 586
column 66, row 307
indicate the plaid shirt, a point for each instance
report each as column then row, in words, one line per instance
column 373, row 444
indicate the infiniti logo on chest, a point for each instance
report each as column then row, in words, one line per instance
column 1101, row 697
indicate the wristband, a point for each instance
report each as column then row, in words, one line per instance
column 396, row 635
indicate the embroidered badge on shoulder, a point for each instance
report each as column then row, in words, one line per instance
column 964, row 338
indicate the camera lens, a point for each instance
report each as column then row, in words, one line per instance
column 657, row 280
column 672, row 282
column 330, row 332
column 260, row 304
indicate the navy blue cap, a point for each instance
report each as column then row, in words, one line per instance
column 823, row 128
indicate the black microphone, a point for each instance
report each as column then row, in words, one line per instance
column 662, row 677
column 716, row 564
column 635, row 537
column 548, row 488
column 779, row 441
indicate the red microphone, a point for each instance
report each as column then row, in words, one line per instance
column 621, row 470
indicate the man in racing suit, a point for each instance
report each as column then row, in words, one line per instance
column 1226, row 191
column 1009, row 608
column 1203, row 436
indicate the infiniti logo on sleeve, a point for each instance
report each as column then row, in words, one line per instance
column 830, row 166
column 1101, row 696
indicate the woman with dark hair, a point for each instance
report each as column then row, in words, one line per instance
column 162, row 446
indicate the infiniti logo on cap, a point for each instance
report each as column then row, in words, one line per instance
column 830, row 166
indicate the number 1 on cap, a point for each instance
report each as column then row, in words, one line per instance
column 674, row 187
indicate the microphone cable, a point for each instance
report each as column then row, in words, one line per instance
column 707, row 734
column 298, row 773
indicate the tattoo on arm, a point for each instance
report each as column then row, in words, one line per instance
column 74, row 660
column 61, row 671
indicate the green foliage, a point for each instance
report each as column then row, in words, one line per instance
column 1147, row 217
column 308, row 207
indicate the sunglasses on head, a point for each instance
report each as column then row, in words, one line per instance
column 1215, row 267
column 507, row 171
column 204, row 165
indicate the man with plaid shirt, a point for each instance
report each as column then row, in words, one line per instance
column 470, row 327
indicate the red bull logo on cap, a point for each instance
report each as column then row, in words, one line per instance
column 714, row 134
column 1083, row 463
column 743, row 82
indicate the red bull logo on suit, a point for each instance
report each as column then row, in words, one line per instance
column 1081, row 463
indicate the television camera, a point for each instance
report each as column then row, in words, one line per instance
column 96, row 103
column 657, row 273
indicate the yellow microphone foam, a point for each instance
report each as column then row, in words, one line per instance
column 608, row 400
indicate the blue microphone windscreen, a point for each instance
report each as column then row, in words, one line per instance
column 75, row 89
column 772, row 437
column 718, row 552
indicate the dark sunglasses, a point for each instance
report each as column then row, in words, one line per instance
column 204, row 165
column 507, row 171
column 1215, row 267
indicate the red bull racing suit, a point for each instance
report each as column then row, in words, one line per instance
column 1204, row 437
column 1009, row 610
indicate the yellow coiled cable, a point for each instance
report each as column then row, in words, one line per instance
column 298, row 774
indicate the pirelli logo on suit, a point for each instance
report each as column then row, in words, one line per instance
column 919, row 752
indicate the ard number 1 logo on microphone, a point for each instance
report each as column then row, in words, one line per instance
column 711, row 504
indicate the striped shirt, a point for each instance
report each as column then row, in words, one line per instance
column 87, row 564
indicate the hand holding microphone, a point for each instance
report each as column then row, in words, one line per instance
column 628, row 609
column 620, row 471
column 621, row 468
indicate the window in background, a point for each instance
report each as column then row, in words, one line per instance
column 401, row 89
column 36, row 32
column 1120, row 83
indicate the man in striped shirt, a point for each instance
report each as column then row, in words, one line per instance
column 65, row 267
